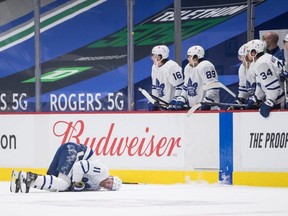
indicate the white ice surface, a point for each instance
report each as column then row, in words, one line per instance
column 149, row 200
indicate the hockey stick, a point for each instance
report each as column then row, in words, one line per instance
column 223, row 104
column 218, row 85
column 193, row 109
column 285, row 92
column 153, row 99
column 198, row 105
column 159, row 99
column 147, row 95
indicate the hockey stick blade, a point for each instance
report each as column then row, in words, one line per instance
column 218, row 85
column 153, row 101
column 193, row 109
column 147, row 95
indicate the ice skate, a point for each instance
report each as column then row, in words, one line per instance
column 25, row 180
column 14, row 182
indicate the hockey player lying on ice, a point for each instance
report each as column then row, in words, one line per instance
column 73, row 168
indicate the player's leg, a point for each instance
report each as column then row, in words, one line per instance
column 46, row 182
column 53, row 168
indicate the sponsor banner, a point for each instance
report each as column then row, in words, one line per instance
column 260, row 144
column 164, row 141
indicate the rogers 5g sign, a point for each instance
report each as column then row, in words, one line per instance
column 80, row 101
column 86, row 102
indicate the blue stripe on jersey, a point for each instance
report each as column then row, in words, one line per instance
column 277, row 87
column 271, row 83
column 180, row 84
column 282, row 95
column 83, row 168
column 96, row 169
column 242, row 90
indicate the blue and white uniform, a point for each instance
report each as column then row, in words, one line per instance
column 167, row 80
column 72, row 163
column 247, row 81
column 195, row 78
column 267, row 70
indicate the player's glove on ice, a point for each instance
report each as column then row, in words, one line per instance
column 78, row 186
column 266, row 108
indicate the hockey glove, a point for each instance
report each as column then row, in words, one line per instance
column 252, row 102
column 152, row 107
column 237, row 101
column 266, row 108
column 172, row 104
column 206, row 106
column 180, row 102
column 78, row 186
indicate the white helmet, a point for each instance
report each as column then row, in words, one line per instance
column 117, row 183
column 257, row 45
column 161, row 50
column 196, row 50
column 242, row 50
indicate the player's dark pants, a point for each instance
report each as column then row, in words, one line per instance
column 64, row 158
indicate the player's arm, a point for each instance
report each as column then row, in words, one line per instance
column 273, row 91
column 153, row 77
column 78, row 170
column 270, row 81
column 210, row 75
column 182, row 99
column 176, row 78
column 242, row 90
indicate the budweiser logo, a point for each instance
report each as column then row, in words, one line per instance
column 147, row 145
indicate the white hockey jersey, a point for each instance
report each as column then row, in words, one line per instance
column 267, row 69
column 92, row 173
column 247, row 81
column 167, row 80
column 195, row 78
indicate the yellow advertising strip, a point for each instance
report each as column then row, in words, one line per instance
column 5, row 173
column 165, row 176
column 269, row 179
column 140, row 176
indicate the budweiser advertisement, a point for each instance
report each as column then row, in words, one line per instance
column 166, row 141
